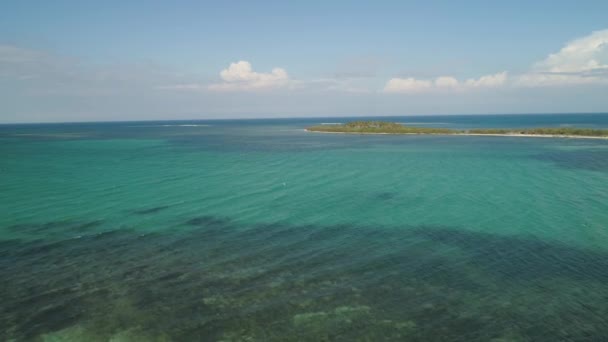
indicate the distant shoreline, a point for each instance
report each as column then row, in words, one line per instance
column 470, row 134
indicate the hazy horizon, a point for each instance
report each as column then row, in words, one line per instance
column 299, row 118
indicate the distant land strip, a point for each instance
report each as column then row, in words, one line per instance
column 381, row 127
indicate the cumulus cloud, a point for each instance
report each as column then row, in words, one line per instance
column 240, row 76
column 442, row 83
column 488, row 81
column 446, row 82
column 581, row 61
column 407, row 85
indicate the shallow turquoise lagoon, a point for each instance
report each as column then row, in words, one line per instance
column 255, row 230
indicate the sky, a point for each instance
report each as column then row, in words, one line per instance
column 168, row 60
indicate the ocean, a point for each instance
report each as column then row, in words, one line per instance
column 256, row 230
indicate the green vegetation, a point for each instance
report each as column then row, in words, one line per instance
column 378, row 127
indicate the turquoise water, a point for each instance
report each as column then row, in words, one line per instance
column 255, row 230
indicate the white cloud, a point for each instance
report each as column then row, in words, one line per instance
column 446, row 82
column 581, row 61
column 579, row 55
column 488, row 81
column 240, row 77
column 442, row 83
column 407, row 85
column 344, row 85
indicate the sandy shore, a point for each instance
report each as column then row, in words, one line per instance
column 477, row 134
column 536, row 135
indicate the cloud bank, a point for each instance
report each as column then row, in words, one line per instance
column 579, row 62
column 582, row 61
column 442, row 83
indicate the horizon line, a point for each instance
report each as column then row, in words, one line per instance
column 293, row 117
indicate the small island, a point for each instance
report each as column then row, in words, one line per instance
column 382, row 127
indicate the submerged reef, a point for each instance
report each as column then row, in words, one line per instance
column 211, row 279
column 153, row 210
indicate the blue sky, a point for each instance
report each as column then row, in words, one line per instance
column 118, row 60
